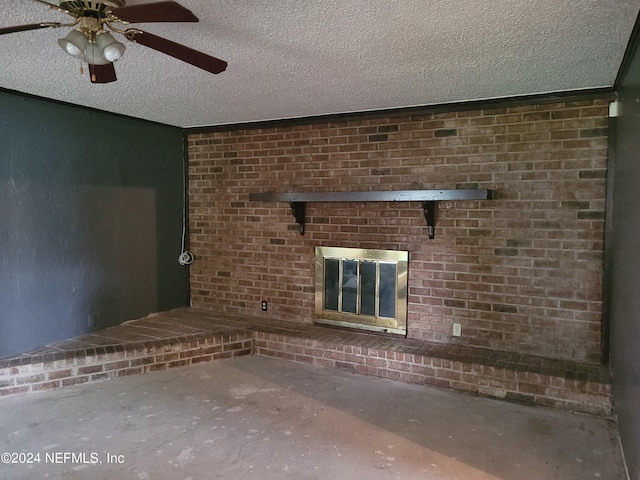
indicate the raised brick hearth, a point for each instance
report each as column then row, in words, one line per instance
column 187, row 336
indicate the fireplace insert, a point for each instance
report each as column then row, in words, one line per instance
column 362, row 288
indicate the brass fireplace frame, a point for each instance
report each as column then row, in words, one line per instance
column 377, row 322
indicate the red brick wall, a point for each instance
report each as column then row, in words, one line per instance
column 521, row 272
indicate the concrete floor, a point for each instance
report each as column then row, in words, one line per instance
column 260, row 418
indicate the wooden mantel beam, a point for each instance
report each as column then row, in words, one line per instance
column 298, row 200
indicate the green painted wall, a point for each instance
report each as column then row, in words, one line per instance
column 624, row 244
column 90, row 220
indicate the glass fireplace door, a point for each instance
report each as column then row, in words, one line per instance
column 361, row 288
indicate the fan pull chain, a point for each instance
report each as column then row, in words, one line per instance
column 81, row 69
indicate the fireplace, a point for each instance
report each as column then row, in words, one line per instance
column 362, row 288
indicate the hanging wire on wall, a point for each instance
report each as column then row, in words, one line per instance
column 185, row 257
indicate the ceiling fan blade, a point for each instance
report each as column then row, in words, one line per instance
column 186, row 54
column 154, row 12
column 102, row 73
column 24, row 28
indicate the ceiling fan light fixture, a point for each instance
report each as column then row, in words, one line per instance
column 110, row 49
column 75, row 43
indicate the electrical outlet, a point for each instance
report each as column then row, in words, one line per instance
column 4, row 235
column 457, row 330
column 264, row 305
column 93, row 319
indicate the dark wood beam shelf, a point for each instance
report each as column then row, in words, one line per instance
column 298, row 200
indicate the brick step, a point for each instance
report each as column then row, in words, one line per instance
column 76, row 367
column 533, row 380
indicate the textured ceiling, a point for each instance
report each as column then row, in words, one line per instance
column 297, row 58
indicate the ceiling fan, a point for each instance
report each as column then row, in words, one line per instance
column 91, row 42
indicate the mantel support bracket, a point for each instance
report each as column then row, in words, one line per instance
column 299, row 209
column 429, row 207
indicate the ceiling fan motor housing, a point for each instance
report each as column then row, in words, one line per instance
column 82, row 8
